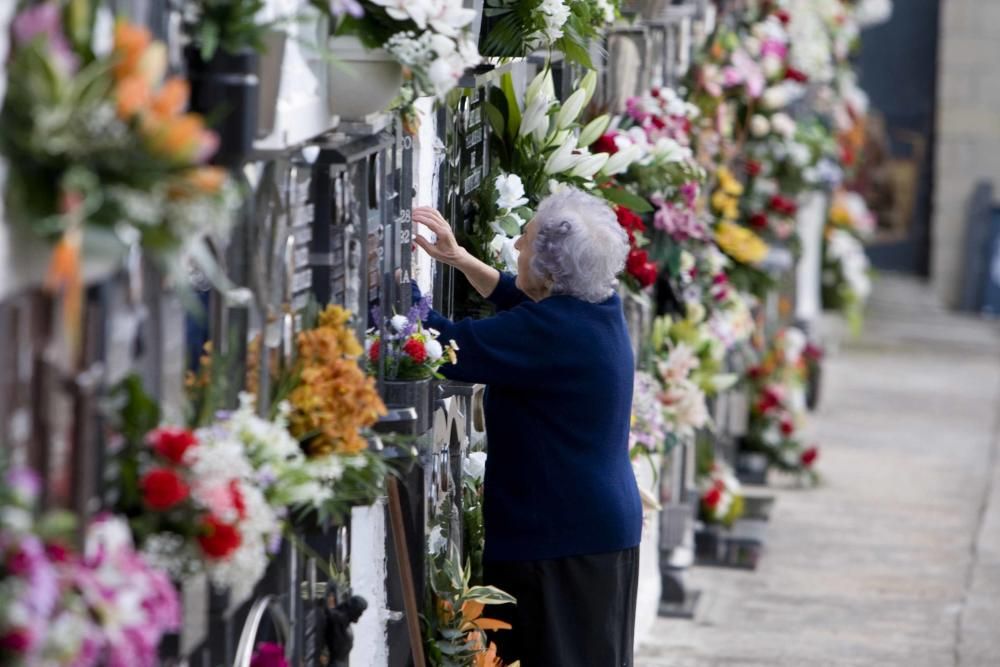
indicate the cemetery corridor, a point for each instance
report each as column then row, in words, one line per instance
column 895, row 558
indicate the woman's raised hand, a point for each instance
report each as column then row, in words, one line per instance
column 445, row 248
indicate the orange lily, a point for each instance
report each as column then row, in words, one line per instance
column 472, row 612
column 172, row 97
column 131, row 42
column 132, row 95
column 177, row 138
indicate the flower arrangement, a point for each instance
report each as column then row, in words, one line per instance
column 778, row 404
column 202, row 507
column 105, row 152
column 740, row 243
column 429, row 38
column 504, row 208
column 846, row 277
column 455, row 626
column 332, row 400
column 721, row 500
column 408, row 351
column 60, row 606
column 640, row 271
column 518, row 27
column 649, row 431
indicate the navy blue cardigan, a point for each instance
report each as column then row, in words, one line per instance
column 559, row 376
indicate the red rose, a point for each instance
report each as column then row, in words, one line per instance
column 630, row 222
column 754, row 168
column 783, row 205
column 606, row 144
column 414, row 347
column 639, row 266
column 218, row 539
column 238, row 501
column 812, row 352
column 767, row 402
column 792, row 74
column 755, row 373
column 162, row 488
column 783, row 16
column 373, row 351
column 171, row 442
column 646, row 275
column 759, row 221
column 809, row 456
column 16, row 640
column 658, row 122
column 654, row 91
column 712, row 497
column 787, row 427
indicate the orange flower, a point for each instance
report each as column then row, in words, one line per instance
column 172, row 97
column 131, row 42
column 207, row 180
column 487, row 658
column 132, row 95
column 472, row 612
column 178, row 138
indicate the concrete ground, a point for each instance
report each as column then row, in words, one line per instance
column 895, row 559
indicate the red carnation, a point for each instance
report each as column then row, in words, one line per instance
column 768, row 401
column 414, row 347
column 16, row 640
column 658, row 122
column 787, row 427
column 783, row 205
column 605, row 144
column 639, row 267
column 754, row 168
column 373, row 351
column 759, row 221
column 171, row 442
column 238, row 501
column 654, row 91
column 712, row 497
column 809, row 456
column 646, row 275
column 792, row 74
column 630, row 222
column 218, row 539
column 162, row 488
column 783, row 16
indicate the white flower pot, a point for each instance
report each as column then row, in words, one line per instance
column 361, row 81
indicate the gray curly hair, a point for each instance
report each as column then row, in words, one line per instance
column 579, row 245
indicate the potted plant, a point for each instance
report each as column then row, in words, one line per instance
column 223, row 58
column 408, row 356
column 395, row 50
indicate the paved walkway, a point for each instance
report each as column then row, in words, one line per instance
column 895, row 560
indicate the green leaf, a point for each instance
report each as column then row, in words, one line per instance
column 513, row 109
column 510, row 225
column 623, row 197
column 496, row 119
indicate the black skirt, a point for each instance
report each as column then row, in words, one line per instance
column 571, row 612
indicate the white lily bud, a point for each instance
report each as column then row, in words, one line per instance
column 593, row 131
column 571, row 108
column 589, row 165
column 535, row 86
column 621, row 160
column 562, row 159
column 589, row 84
column 536, row 115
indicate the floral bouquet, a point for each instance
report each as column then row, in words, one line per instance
column 721, row 500
column 429, row 38
column 515, row 28
column 846, row 277
column 201, row 506
column 408, row 351
column 504, row 208
column 706, row 288
column 849, row 211
column 778, row 404
column 106, row 155
column 105, row 605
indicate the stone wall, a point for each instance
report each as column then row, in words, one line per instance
column 968, row 129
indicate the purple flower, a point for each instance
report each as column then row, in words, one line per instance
column 45, row 20
column 24, row 484
column 341, row 7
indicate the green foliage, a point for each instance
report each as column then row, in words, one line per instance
column 228, row 25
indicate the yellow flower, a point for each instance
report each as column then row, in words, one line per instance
column 728, row 183
column 740, row 243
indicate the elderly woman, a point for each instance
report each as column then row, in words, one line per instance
column 562, row 511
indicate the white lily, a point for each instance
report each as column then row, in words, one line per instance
column 593, row 130
column 589, row 84
column 535, row 116
column 562, row 159
column 571, row 108
column 589, row 165
column 621, row 160
column 536, row 86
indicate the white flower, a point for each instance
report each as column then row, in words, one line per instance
column 775, row 97
column 510, row 192
column 474, row 466
column 436, row 541
column 772, row 65
column 536, row 115
column 759, row 125
column 783, row 124
column 588, row 165
column 398, row 323
column 449, row 18
column 562, row 159
column 622, row 160
column 433, row 349
column 571, row 108
column 668, row 151
column 443, row 76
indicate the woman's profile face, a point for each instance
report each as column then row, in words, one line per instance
column 527, row 281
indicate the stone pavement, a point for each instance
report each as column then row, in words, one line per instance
column 895, row 559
